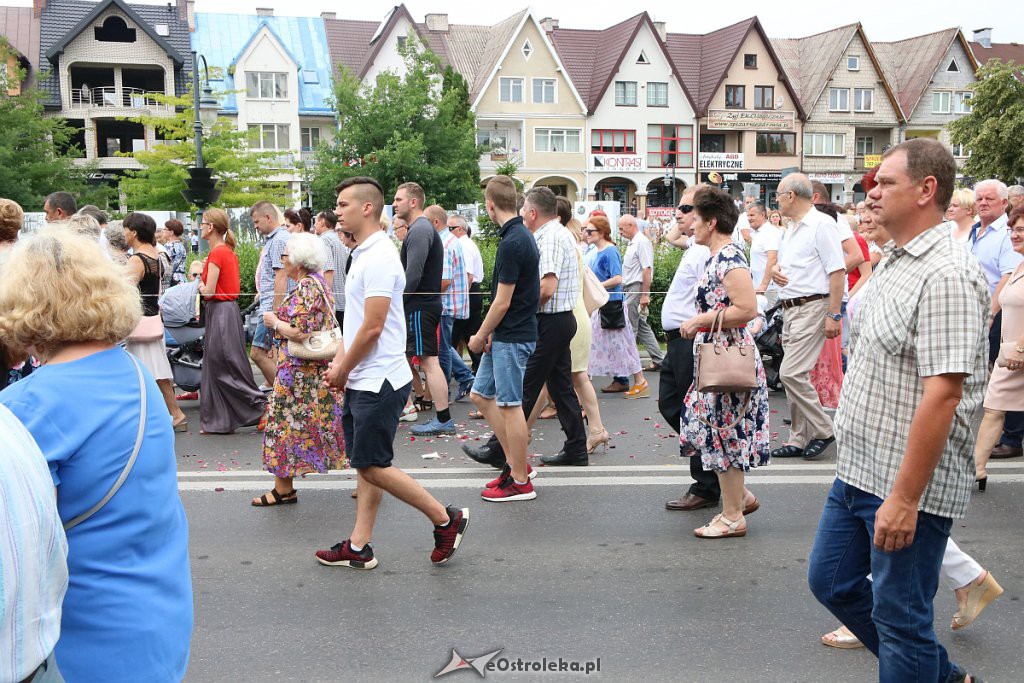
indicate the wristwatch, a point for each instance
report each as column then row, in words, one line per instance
column 1020, row 349
column 838, row 317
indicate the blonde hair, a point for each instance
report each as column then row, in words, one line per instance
column 84, row 224
column 59, row 288
column 575, row 228
column 221, row 223
column 966, row 199
column 11, row 218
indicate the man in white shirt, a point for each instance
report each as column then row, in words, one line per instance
column 764, row 251
column 371, row 368
column 637, row 272
column 741, row 234
column 464, row 329
column 811, row 275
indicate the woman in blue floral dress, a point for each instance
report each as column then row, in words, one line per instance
column 705, row 432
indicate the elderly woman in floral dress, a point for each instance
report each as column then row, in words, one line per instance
column 304, row 432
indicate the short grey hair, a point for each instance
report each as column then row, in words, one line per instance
column 1015, row 190
column 84, row 224
column 114, row 234
column 799, row 184
column 460, row 219
column 307, row 251
column 999, row 186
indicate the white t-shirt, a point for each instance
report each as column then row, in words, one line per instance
column 474, row 261
column 809, row 252
column 764, row 239
column 377, row 272
column 639, row 255
column 681, row 301
column 742, row 223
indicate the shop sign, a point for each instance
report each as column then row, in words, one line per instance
column 720, row 161
column 827, row 178
column 872, row 160
column 665, row 214
column 740, row 119
column 753, row 177
column 617, row 162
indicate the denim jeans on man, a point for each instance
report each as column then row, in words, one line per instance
column 450, row 360
column 892, row 613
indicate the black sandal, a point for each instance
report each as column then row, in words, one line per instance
column 279, row 499
column 423, row 404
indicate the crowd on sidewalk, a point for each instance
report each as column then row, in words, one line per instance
column 904, row 314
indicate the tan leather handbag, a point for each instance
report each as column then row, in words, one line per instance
column 594, row 294
column 725, row 369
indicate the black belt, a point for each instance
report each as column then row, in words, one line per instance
column 671, row 335
column 801, row 300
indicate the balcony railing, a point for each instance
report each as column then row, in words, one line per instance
column 110, row 96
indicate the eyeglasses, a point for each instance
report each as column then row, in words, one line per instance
column 782, row 192
column 590, row 231
column 685, row 208
column 1017, row 231
column 348, row 235
column 283, row 254
column 201, row 224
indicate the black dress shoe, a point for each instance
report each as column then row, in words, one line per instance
column 788, row 452
column 564, row 458
column 484, row 455
column 817, row 447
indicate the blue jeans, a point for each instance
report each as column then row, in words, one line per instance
column 892, row 614
column 501, row 371
column 450, row 360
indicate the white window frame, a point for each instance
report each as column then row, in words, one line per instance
column 942, row 95
column 306, row 135
column 549, row 135
column 958, row 102
column 853, row 62
column 527, row 49
column 278, row 130
column 542, row 81
column 858, row 101
column 814, row 144
column 959, row 152
column 664, row 87
column 272, row 79
column 512, row 81
column 838, row 105
column 861, row 150
column 642, row 59
column 623, row 101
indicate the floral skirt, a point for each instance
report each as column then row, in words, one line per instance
column 613, row 353
column 304, row 432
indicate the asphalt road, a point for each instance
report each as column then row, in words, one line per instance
column 595, row 567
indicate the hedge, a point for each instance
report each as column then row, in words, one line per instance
column 248, row 258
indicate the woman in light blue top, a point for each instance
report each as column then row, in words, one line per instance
column 127, row 615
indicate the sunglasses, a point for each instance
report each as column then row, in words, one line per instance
column 590, row 231
column 685, row 208
column 348, row 235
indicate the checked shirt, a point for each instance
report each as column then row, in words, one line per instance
column 924, row 313
column 558, row 256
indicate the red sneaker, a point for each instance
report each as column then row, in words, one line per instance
column 506, row 471
column 508, row 490
column 187, row 396
column 448, row 538
column 342, row 555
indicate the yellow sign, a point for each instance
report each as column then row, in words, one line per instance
column 872, row 160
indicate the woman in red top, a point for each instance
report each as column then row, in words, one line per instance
column 229, row 397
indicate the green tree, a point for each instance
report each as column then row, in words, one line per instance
column 225, row 149
column 36, row 155
column 994, row 129
column 418, row 128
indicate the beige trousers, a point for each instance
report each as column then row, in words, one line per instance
column 803, row 336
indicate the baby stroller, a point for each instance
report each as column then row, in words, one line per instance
column 769, row 345
column 183, row 334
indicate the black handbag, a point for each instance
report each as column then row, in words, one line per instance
column 613, row 316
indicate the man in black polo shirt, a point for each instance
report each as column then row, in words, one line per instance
column 507, row 337
column 423, row 260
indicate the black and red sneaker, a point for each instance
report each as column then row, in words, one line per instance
column 508, row 490
column 342, row 555
column 507, row 472
column 447, row 538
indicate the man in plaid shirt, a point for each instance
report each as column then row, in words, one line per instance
column 905, row 462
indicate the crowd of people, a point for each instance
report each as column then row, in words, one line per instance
column 897, row 313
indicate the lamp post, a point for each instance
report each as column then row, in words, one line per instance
column 670, row 181
column 201, row 186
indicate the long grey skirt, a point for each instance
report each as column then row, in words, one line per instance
column 228, row 395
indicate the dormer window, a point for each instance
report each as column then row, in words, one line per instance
column 527, row 49
column 402, row 42
column 114, row 30
column 853, row 62
column 953, row 66
column 642, row 59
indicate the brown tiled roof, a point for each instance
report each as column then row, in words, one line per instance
column 488, row 44
column 588, row 59
column 911, row 64
column 704, row 60
column 21, row 29
column 349, row 42
column 1005, row 52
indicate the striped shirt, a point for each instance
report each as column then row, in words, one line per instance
column 337, row 258
column 558, row 256
column 33, row 552
column 270, row 261
column 455, row 300
column 924, row 313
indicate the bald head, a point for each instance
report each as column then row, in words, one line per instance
column 628, row 226
column 437, row 216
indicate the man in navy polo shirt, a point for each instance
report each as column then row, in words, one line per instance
column 372, row 370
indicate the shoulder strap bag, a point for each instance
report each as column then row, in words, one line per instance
column 725, row 369
column 131, row 459
column 321, row 345
column 594, row 294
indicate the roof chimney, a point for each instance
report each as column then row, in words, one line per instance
column 264, row 11
column 549, row 24
column 983, row 36
column 659, row 26
column 37, row 7
column 190, row 14
column 328, row 15
column 437, row 22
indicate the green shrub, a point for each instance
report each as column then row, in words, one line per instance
column 248, row 255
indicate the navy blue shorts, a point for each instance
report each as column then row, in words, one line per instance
column 370, row 422
column 423, row 332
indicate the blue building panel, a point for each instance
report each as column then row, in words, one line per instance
column 222, row 38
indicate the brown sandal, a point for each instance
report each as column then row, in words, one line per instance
column 278, row 499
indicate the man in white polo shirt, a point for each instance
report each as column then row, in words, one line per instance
column 764, row 251
column 811, row 273
column 637, row 273
column 372, row 370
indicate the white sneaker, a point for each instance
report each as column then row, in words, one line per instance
column 409, row 414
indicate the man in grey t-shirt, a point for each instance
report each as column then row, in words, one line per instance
column 326, row 223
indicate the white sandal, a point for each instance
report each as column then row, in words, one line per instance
column 842, row 639
column 712, row 530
